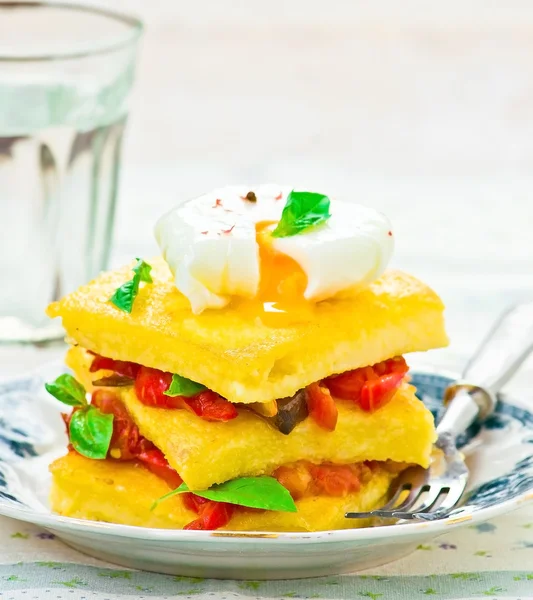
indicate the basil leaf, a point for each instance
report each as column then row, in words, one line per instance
column 90, row 432
column 181, row 386
column 125, row 295
column 68, row 390
column 254, row 492
column 143, row 269
column 302, row 210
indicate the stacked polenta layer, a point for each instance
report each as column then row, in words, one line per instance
column 251, row 365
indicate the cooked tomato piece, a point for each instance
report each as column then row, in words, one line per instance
column 296, row 478
column 369, row 373
column 193, row 502
column 108, row 402
column 322, row 407
column 369, row 387
column 376, row 393
column 304, row 479
column 211, row 407
column 155, row 461
column 334, row 480
column 150, row 385
column 127, row 369
column 66, row 420
column 347, row 385
column 391, row 365
column 212, row 516
column 126, row 442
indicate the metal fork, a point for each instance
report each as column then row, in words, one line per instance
column 430, row 494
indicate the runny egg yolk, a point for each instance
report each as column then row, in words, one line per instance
column 282, row 283
column 282, row 280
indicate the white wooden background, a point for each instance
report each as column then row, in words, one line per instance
column 424, row 110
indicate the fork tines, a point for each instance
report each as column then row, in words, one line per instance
column 416, row 498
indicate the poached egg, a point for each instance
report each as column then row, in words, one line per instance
column 220, row 249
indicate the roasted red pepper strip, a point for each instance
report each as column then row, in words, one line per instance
column 212, row 515
column 211, row 407
column 377, row 392
column 347, row 385
column 155, row 461
column 369, row 387
column 193, row 502
column 128, row 444
column 151, row 385
column 127, row 369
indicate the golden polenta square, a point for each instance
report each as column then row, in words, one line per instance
column 124, row 492
column 205, row 452
column 241, row 358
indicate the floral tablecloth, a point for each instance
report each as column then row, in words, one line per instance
column 487, row 560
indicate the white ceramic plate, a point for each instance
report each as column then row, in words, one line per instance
column 500, row 455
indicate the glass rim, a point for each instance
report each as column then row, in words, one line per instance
column 135, row 29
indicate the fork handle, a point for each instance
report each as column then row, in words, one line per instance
column 496, row 360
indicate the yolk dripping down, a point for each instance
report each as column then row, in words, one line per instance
column 282, row 280
column 282, row 284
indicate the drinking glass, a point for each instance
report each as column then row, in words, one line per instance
column 66, row 74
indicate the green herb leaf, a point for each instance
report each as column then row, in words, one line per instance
column 90, row 432
column 181, row 386
column 125, row 295
column 143, row 269
column 302, row 210
column 68, row 390
column 254, row 492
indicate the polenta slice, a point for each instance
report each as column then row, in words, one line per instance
column 124, row 492
column 205, row 453
column 244, row 360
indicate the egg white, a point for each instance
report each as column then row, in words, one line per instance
column 210, row 245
